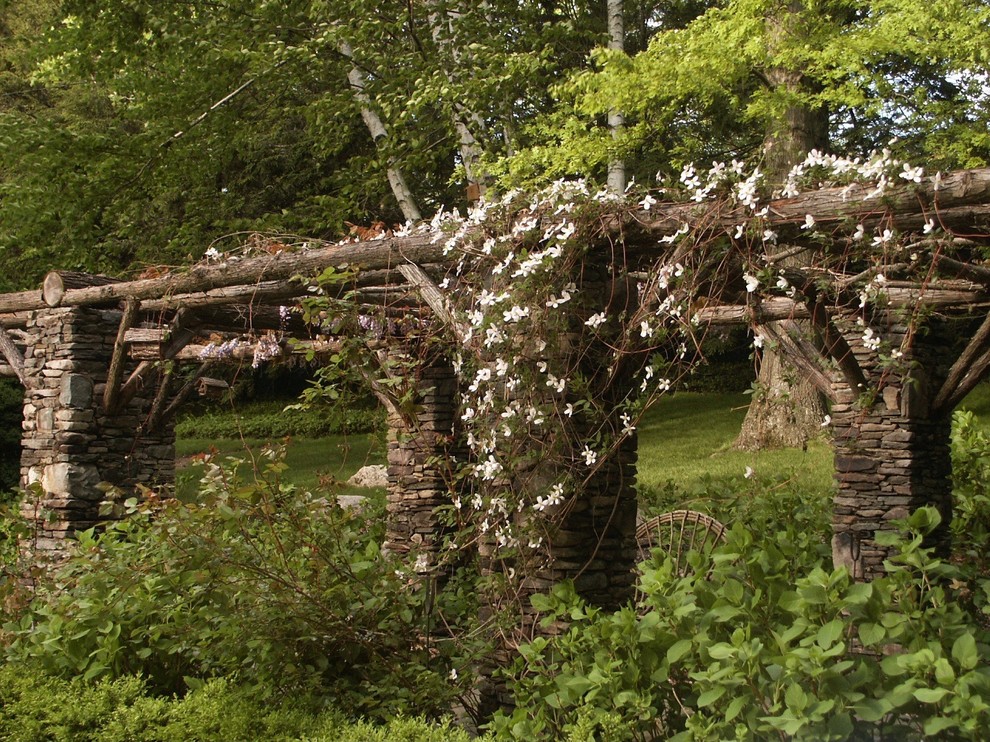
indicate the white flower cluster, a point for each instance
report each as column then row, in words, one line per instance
column 266, row 349
column 221, row 351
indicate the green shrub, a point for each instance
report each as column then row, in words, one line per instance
column 272, row 420
column 757, row 644
column 39, row 708
column 971, row 490
column 257, row 581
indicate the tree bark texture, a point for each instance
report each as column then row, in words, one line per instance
column 788, row 409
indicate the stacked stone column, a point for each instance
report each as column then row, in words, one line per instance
column 892, row 450
column 73, row 450
column 887, row 465
column 421, row 452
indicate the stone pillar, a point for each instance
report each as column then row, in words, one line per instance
column 887, row 465
column 421, row 444
column 72, row 449
column 892, row 450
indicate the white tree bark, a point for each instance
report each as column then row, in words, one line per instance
column 400, row 189
column 616, row 121
column 441, row 28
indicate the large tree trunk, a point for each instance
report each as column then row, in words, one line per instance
column 787, row 410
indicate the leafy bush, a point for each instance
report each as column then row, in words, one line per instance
column 971, row 490
column 764, row 640
column 764, row 504
column 273, row 420
column 39, row 708
column 257, row 581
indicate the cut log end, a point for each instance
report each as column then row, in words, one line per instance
column 56, row 283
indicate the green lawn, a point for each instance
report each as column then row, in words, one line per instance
column 313, row 463
column 685, row 439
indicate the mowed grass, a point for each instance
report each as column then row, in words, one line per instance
column 685, row 439
column 316, row 464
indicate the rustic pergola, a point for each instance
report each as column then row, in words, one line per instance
column 96, row 358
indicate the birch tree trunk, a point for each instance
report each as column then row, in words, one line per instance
column 616, row 121
column 441, row 24
column 400, row 189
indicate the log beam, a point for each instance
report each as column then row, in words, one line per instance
column 14, row 358
column 116, row 371
column 967, row 371
column 958, row 200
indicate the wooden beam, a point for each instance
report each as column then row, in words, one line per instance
column 434, row 299
column 966, row 372
column 15, row 359
column 116, row 370
column 56, row 283
column 963, row 195
column 837, row 348
column 799, row 352
column 180, row 336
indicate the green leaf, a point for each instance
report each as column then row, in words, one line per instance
column 965, row 653
column 872, row 709
column 721, row 651
column 930, row 695
column 711, row 695
column 735, row 706
column 795, row 697
column 871, row 633
column 829, row 633
column 678, row 649
column 937, row 724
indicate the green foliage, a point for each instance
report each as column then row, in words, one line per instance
column 758, row 643
column 256, row 581
column 36, row 708
column 11, row 415
column 971, row 490
column 273, row 420
column 717, row 78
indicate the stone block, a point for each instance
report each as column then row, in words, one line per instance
column 76, row 391
column 72, row 480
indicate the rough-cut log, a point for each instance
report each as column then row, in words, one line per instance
column 966, row 372
column 753, row 314
column 836, row 347
column 245, row 351
column 975, row 273
column 801, row 354
column 180, row 337
column 13, row 355
column 434, row 298
column 58, row 282
column 959, row 201
column 843, row 206
column 373, row 255
column 116, row 371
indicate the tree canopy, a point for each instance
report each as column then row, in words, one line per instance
column 138, row 132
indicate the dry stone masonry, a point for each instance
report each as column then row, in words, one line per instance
column 72, row 448
column 891, row 445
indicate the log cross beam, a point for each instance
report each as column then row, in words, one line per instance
column 835, row 346
column 116, row 371
column 434, row 298
column 789, row 337
column 966, row 372
column 14, row 358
